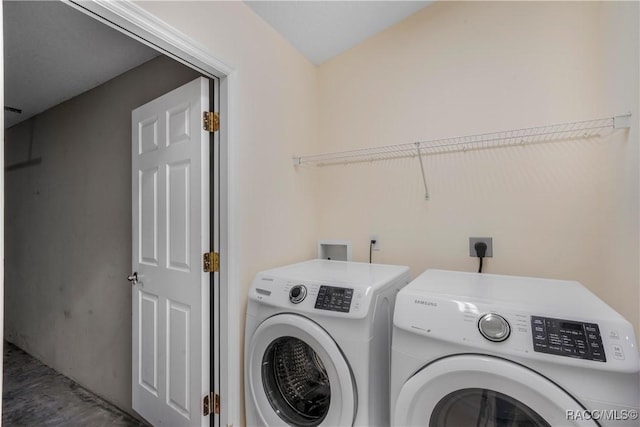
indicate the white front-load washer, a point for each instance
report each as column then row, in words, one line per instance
column 317, row 344
column 475, row 349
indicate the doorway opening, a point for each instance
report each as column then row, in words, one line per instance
column 71, row 268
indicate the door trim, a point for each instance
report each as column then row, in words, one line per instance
column 1, row 191
column 137, row 23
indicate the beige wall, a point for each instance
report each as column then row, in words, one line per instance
column 565, row 210
column 68, row 231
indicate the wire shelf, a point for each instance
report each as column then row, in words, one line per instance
column 534, row 135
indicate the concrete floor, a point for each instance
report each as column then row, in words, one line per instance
column 36, row 395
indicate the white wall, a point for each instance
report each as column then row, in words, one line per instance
column 565, row 210
column 68, row 231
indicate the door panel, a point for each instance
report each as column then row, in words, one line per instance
column 178, row 230
column 171, row 305
column 148, row 215
column 178, row 357
column 148, row 360
column 148, row 135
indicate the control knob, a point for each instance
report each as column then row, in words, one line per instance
column 297, row 294
column 494, row 327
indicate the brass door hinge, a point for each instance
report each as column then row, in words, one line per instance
column 211, row 262
column 210, row 121
column 216, row 404
column 211, row 404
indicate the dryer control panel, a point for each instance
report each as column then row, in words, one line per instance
column 551, row 321
column 567, row 338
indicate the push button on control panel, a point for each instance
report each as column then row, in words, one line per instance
column 618, row 353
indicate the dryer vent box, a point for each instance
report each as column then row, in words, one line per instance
column 339, row 250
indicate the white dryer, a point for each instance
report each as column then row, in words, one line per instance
column 490, row 350
column 317, row 344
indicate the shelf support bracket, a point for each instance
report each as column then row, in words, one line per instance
column 622, row 122
column 424, row 178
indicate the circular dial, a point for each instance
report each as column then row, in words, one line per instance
column 297, row 294
column 494, row 327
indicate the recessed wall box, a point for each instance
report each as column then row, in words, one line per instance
column 339, row 250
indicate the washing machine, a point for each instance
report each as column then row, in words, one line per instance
column 489, row 350
column 317, row 344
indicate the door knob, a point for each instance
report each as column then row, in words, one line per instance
column 133, row 278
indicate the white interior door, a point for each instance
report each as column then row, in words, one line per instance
column 171, row 231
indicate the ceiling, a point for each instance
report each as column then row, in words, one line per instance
column 53, row 52
column 321, row 30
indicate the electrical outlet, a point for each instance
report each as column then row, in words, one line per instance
column 376, row 245
column 487, row 240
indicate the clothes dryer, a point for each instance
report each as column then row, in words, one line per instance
column 491, row 350
column 317, row 344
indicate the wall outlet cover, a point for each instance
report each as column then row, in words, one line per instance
column 487, row 240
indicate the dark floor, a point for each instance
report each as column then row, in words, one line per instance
column 36, row 395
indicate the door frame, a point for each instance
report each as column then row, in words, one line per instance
column 1, row 191
column 137, row 23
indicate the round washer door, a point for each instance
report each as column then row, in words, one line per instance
column 483, row 390
column 298, row 375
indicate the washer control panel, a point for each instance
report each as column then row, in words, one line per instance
column 333, row 298
column 567, row 338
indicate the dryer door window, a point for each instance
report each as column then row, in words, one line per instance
column 296, row 382
column 483, row 407
column 486, row 391
column 296, row 375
